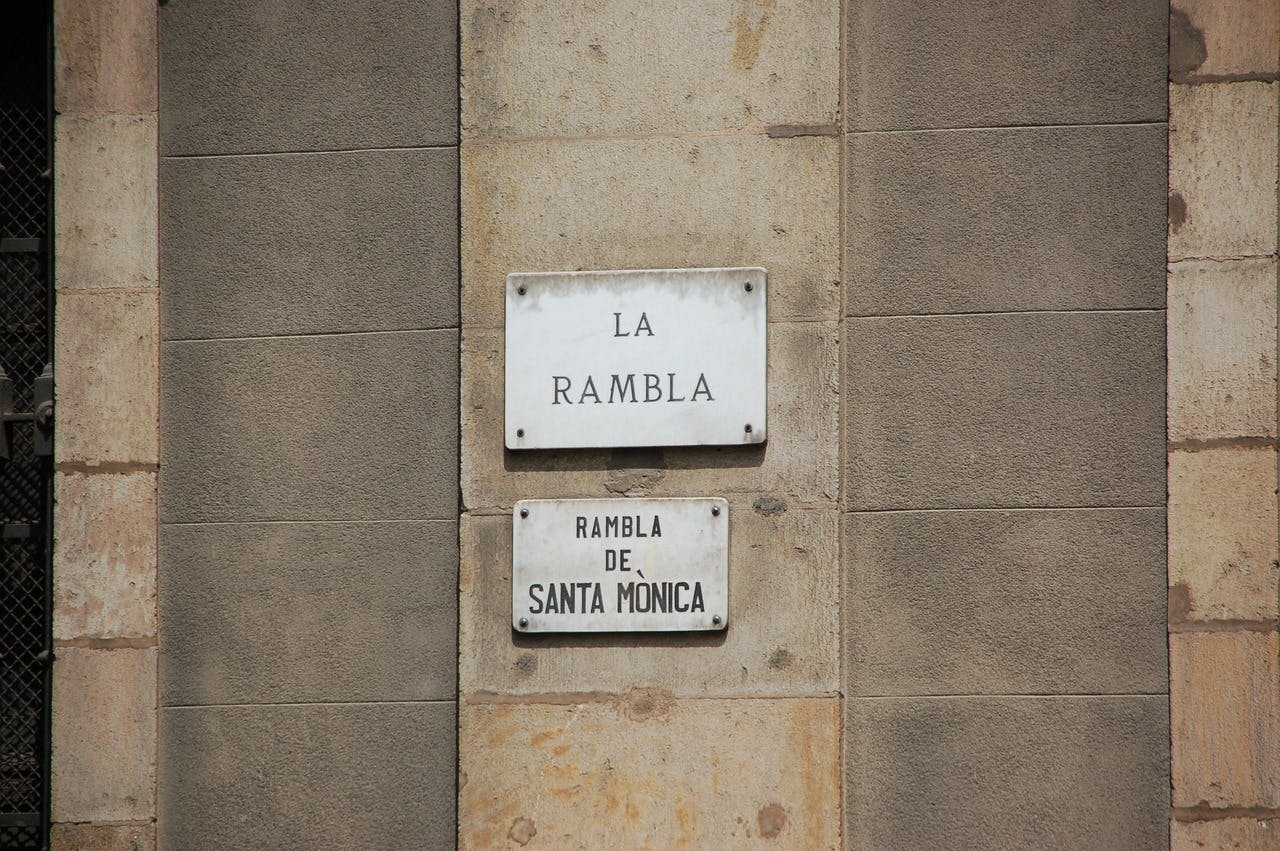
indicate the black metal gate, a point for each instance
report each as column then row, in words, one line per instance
column 26, row 318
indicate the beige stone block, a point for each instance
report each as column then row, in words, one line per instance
column 105, row 201
column 1222, row 169
column 107, row 351
column 104, row 576
column 783, row 635
column 105, row 56
column 103, row 837
column 1217, row 39
column 1224, row 703
column 104, row 734
column 655, row 203
column 1246, row 834
column 646, row 770
column 798, row 464
column 1222, row 348
column 542, row 68
column 1222, row 534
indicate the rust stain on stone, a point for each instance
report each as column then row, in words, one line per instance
column 1177, row 211
column 780, row 658
column 647, row 704
column 771, row 819
column 1187, row 49
column 748, row 37
column 522, row 830
column 526, row 664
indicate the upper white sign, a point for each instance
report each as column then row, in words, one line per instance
column 665, row 357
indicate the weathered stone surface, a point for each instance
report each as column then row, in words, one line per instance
column 1223, row 39
column 308, row 243
column 1225, row 699
column 308, row 612
column 798, row 464
column 106, row 348
column 351, row 427
column 546, row 206
column 990, row 220
column 1222, row 349
column 1007, row 772
column 782, row 638
column 105, row 206
column 1018, row 410
column 105, row 554
column 1222, row 534
column 913, row 65
column 104, row 57
column 1222, row 169
column 539, row 68
column 1245, row 834
column 321, row 76
column 1024, row 602
column 104, row 734
column 333, row 776
column 103, row 837
column 590, row 770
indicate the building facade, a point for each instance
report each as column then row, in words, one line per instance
column 1004, row 573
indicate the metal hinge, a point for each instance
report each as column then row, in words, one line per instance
column 40, row 415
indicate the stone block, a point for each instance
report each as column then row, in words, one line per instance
column 104, row 578
column 327, row 75
column 783, row 634
column 998, row 602
column 351, row 427
column 105, row 203
column 309, row 243
column 1222, row 169
column 979, row 63
column 103, row 837
column 999, row 220
column 107, row 350
column 308, row 612
column 587, row 770
column 104, row 734
column 1222, row 349
column 1222, row 535
column 539, row 68
column 1224, row 690
column 345, row 776
column 656, row 203
column 1013, row 410
column 798, row 464
column 104, row 57
column 1244, row 834
column 1218, row 40
column 1079, row 771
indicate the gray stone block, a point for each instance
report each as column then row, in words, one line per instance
column 982, row 63
column 311, row 242
column 308, row 612
column 1008, row 410
column 310, row 776
column 963, row 602
column 1008, row 772
column 240, row 77
column 1057, row 218
column 351, row 427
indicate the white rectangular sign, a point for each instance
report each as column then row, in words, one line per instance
column 667, row 357
column 620, row 565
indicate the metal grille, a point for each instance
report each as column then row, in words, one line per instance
column 25, row 347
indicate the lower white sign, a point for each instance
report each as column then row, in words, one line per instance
column 620, row 565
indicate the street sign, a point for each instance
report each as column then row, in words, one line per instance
column 668, row 357
column 620, row 565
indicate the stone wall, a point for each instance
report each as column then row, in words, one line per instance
column 1222, row 283
column 308, row 494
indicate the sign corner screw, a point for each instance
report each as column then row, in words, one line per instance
column 747, row 428
column 520, row 289
column 524, row 512
column 747, row 286
column 520, row 432
column 715, row 619
column 524, row 622
column 715, row 511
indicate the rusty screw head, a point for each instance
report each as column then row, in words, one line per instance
column 715, row 511
column 747, row 286
column 524, row 622
column 520, row 289
column 747, row 428
column 715, row 619
column 519, row 432
column 524, row 512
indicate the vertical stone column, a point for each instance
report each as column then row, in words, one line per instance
column 1223, row 549
column 104, row 568
column 620, row 135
